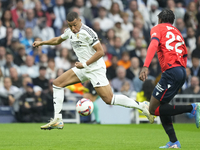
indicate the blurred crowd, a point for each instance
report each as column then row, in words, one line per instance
column 123, row 28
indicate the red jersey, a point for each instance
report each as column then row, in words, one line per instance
column 171, row 49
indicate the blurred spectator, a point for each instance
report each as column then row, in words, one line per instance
column 197, row 50
column 18, row 12
column 1, row 78
column 25, row 81
column 111, row 71
column 29, row 4
column 16, row 79
column 39, row 13
column 9, row 64
column 153, row 13
column 60, row 71
column 189, row 57
column 139, row 44
column 190, row 40
column 13, row 46
column 63, row 60
column 118, row 81
column 110, row 38
column 2, row 31
column 94, row 8
column 105, row 22
column 194, row 86
column 6, row 42
column 28, row 40
column 7, row 19
column 190, row 17
column 2, row 56
column 43, row 60
column 51, row 69
column 107, row 56
column 49, row 107
column 8, row 92
column 30, row 106
column 146, row 91
column 178, row 12
column 20, row 57
column 125, row 90
column 47, row 6
column 42, row 31
column 134, row 70
column 31, row 20
column 114, row 11
column 84, row 11
column 1, row 9
column 126, row 25
column 19, row 32
column 195, row 70
column 97, row 29
column 188, row 79
column 130, row 44
column 143, row 54
column 29, row 69
column 117, row 49
column 145, row 30
column 125, row 60
column 133, row 6
column 41, row 81
column 180, row 25
column 60, row 16
column 154, row 68
column 123, row 34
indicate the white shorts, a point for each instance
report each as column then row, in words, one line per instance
column 96, row 76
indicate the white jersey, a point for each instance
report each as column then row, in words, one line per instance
column 82, row 44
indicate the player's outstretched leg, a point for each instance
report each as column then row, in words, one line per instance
column 196, row 112
column 58, row 97
column 172, row 145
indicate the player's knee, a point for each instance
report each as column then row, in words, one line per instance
column 107, row 99
column 56, row 83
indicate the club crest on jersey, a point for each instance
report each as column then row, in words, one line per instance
column 78, row 36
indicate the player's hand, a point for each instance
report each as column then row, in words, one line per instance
column 79, row 65
column 143, row 74
column 37, row 43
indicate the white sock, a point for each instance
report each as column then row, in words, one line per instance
column 58, row 97
column 123, row 100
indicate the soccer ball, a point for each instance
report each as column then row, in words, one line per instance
column 84, row 107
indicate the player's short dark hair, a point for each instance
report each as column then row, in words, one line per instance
column 166, row 16
column 71, row 16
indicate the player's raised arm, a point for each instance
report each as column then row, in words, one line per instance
column 53, row 41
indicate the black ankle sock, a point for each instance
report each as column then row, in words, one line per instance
column 171, row 110
column 168, row 127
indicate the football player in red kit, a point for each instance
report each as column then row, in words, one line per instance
column 168, row 42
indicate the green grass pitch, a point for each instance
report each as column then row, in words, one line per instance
column 95, row 137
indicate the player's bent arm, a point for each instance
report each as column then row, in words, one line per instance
column 153, row 46
column 53, row 41
column 99, row 53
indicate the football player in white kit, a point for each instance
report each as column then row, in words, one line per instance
column 91, row 67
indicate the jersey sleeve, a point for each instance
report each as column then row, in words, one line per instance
column 66, row 33
column 155, row 33
column 91, row 37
